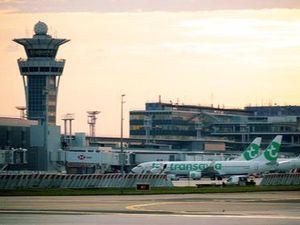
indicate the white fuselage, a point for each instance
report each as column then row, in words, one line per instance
column 285, row 165
column 235, row 167
column 186, row 167
column 176, row 167
column 242, row 167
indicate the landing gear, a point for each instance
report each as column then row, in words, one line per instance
column 216, row 178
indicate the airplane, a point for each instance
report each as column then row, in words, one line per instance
column 265, row 162
column 251, row 152
column 196, row 169
column 286, row 165
column 283, row 165
column 191, row 168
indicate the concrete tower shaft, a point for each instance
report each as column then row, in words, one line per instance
column 41, row 73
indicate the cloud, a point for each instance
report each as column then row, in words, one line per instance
column 142, row 5
column 11, row 1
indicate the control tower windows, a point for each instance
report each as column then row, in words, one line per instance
column 24, row 69
column 54, row 69
column 44, row 69
column 41, row 53
column 33, row 69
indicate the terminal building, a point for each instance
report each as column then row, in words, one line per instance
column 179, row 122
column 14, row 143
column 198, row 124
column 266, row 122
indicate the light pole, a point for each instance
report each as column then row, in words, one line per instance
column 122, row 119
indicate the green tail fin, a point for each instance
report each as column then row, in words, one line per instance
column 271, row 152
column 252, row 150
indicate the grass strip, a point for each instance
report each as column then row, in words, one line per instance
column 132, row 191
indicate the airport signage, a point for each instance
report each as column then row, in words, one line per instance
column 83, row 157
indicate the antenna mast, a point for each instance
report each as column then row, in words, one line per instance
column 92, row 122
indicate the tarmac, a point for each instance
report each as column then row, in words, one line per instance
column 184, row 182
column 229, row 208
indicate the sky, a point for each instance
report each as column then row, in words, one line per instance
column 230, row 53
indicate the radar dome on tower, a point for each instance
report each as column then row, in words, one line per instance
column 40, row 28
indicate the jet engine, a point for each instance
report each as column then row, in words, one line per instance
column 195, row 175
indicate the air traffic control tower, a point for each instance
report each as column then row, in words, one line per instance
column 41, row 73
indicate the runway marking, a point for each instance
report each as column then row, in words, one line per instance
column 159, row 215
column 222, row 216
column 137, row 207
column 245, row 216
column 140, row 207
column 208, row 215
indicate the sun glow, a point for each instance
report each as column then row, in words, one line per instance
column 240, row 57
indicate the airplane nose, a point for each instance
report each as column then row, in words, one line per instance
column 134, row 170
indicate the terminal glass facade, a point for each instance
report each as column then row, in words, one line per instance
column 237, row 127
column 167, row 121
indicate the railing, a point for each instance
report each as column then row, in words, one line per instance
column 46, row 180
column 36, row 59
column 281, row 179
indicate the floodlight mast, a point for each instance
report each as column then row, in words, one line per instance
column 122, row 120
column 92, row 117
column 69, row 117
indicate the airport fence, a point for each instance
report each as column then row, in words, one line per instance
column 281, row 179
column 18, row 181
